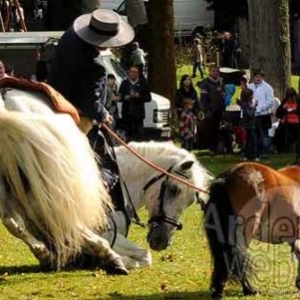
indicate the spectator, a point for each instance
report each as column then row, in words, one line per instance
column 187, row 125
column 287, row 132
column 229, row 92
column 198, row 58
column 2, row 70
column 17, row 15
column 134, row 93
column 263, row 94
column 112, row 98
column 244, row 82
column 239, row 131
column 227, row 49
column 137, row 57
column 186, row 91
column 9, row 70
column 213, row 106
column 275, row 124
column 39, row 15
column 236, row 51
column 248, row 122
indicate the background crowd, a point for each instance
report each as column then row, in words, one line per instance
column 259, row 125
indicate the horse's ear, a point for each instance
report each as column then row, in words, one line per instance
column 186, row 165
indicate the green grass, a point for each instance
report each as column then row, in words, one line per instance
column 181, row 272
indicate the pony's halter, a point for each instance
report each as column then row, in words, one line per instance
column 162, row 216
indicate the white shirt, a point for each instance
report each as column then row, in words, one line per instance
column 263, row 93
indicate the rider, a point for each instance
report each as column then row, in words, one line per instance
column 78, row 74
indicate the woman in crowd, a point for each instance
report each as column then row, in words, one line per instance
column 186, row 91
column 287, row 132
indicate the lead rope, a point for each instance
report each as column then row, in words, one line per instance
column 152, row 165
column 132, row 211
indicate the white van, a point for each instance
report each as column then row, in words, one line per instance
column 188, row 14
column 18, row 49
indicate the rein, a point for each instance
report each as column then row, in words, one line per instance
column 161, row 217
column 149, row 163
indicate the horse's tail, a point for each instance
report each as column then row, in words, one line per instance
column 225, row 236
column 63, row 191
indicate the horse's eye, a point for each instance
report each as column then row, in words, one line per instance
column 174, row 190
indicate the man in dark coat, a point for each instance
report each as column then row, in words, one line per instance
column 212, row 101
column 134, row 93
column 77, row 73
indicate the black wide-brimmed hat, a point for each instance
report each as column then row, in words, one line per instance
column 103, row 28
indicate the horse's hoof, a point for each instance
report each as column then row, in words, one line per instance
column 250, row 292
column 116, row 271
column 116, row 268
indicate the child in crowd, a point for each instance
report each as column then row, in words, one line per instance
column 112, row 98
column 248, row 122
column 187, row 125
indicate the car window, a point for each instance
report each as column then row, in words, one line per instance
column 118, row 68
column 113, row 66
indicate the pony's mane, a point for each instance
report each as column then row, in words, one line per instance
column 66, row 192
column 165, row 155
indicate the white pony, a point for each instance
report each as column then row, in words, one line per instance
column 164, row 198
column 51, row 192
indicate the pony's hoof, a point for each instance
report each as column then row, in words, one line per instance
column 250, row 292
column 116, row 268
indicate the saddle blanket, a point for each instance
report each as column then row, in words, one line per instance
column 59, row 102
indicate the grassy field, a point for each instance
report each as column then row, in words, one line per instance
column 181, row 272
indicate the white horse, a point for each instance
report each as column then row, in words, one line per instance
column 147, row 187
column 164, row 198
column 51, row 193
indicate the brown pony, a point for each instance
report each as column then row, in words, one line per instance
column 247, row 201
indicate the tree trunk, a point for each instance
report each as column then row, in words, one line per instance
column 270, row 41
column 243, row 26
column 161, row 60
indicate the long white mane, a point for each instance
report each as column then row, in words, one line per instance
column 163, row 154
column 66, row 191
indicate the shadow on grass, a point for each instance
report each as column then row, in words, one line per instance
column 14, row 270
column 164, row 296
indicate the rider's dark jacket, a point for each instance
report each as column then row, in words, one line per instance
column 77, row 73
